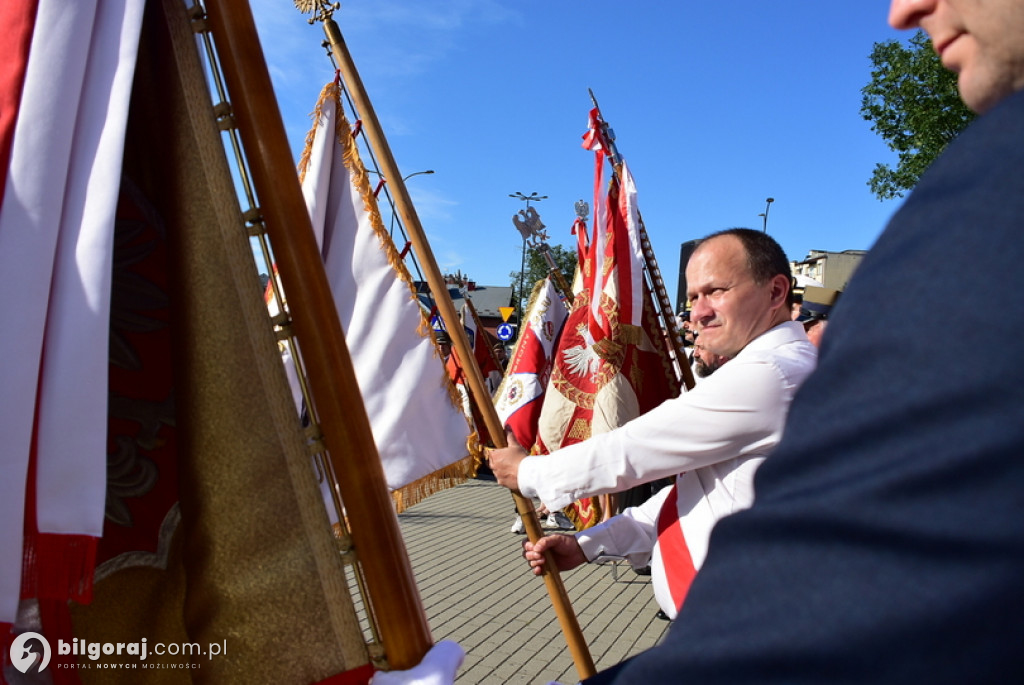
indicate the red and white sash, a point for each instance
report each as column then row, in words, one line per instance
column 673, row 555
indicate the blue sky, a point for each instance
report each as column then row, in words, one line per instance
column 716, row 107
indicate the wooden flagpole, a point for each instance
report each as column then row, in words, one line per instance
column 371, row 127
column 650, row 263
column 376, row 536
column 556, row 273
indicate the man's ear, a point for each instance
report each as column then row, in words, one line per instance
column 780, row 286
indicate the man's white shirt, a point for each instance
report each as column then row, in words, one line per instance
column 712, row 438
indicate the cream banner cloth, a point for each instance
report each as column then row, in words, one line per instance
column 420, row 433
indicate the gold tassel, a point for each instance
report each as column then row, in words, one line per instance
column 442, row 479
column 361, row 181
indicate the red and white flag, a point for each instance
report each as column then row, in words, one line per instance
column 612, row 362
column 65, row 82
column 488, row 366
column 520, row 397
column 482, row 348
column 420, row 433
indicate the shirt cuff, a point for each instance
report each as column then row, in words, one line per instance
column 592, row 547
column 527, row 476
column 535, row 481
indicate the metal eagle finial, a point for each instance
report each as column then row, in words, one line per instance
column 320, row 9
column 530, row 226
column 582, row 209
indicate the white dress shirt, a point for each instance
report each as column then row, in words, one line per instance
column 715, row 435
column 737, row 413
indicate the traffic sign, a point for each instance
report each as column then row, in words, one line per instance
column 505, row 331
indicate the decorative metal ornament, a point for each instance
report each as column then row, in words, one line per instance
column 321, row 10
column 530, row 226
column 582, row 209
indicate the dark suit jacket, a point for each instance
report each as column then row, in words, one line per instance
column 887, row 541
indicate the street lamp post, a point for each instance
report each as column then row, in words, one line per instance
column 767, row 205
column 416, row 173
column 404, row 178
column 532, row 197
column 382, row 181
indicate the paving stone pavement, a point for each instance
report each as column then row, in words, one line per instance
column 478, row 591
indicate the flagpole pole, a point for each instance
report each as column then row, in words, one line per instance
column 556, row 272
column 377, row 539
column 373, row 131
column 650, row 262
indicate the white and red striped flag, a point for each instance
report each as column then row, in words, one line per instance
column 520, row 397
column 65, row 81
column 421, row 434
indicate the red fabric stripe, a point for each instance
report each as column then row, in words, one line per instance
column 675, row 555
column 55, row 617
column 18, row 19
column 622, row 250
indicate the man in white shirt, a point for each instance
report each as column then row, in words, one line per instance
column 712, row 438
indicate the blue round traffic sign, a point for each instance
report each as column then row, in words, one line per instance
column 505, row 331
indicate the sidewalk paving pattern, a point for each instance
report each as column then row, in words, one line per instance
column 478, row 591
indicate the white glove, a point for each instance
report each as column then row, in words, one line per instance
column 438, row 667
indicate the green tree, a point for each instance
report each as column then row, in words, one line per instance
column 537, row 268
column 913, row 104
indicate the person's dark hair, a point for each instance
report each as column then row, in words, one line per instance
column 765, row 257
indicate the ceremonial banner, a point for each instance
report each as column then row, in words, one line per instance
column 481, row 344
column 612, row 362
column 420, row 433
column 520, row 397
column 215, row 533
column 66, row 84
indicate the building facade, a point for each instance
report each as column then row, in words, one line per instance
column 831, row 269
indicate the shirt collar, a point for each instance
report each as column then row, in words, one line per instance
column 785, row 332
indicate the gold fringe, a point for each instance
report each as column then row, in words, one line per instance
column 439, row 480
column 361, row 181
column 465, row 468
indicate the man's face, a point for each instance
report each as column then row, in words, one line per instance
column 706, row 363
column 981, row 40
column 794, row 313
column 729, row 309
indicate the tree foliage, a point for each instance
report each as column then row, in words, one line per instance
column 913, row 104
column 537, row 268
